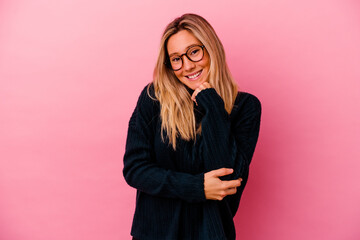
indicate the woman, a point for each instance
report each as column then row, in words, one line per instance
column 190, row 140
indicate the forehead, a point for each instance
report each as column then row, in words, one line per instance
column 180, row 41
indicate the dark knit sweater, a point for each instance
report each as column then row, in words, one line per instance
column 170, row 201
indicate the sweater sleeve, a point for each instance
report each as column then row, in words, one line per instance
column 140, row 168
column 225, row 144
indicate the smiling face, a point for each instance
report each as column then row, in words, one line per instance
column 192, row 74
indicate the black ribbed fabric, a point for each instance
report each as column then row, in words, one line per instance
column 170, row 201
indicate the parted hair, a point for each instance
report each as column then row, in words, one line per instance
column 176, row 106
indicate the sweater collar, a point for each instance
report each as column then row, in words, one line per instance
column 189, row 90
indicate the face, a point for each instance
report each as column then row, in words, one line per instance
column 192, row 74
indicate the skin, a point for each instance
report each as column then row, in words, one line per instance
column 178, row 44
column 214, row 187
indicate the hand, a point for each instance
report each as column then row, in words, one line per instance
column 216, row 189
column 203, row 86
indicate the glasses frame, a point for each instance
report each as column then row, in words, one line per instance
column 168, row 64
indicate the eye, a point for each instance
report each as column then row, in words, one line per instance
column 175, row 59
column 194, row 51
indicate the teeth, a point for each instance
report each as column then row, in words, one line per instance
column 194, row 76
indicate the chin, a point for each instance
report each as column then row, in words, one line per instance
column 195, row 85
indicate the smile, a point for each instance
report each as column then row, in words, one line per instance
column 194, row 76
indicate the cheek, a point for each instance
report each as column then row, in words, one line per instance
column 178, row 74
column 206, row 62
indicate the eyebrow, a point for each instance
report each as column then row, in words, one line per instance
column 187, row 48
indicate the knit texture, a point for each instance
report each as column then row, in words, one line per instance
column 170, row 201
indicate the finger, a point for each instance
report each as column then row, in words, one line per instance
column 232, row 183
column 194, row 94
column 202, row 86
column 207, row 85
column 222, row 172
column 231, row 191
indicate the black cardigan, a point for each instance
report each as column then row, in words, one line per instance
column 170, row 202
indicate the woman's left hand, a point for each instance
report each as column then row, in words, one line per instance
column 203, row 86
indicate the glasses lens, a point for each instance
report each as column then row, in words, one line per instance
column 176, row 62
column 195, row 53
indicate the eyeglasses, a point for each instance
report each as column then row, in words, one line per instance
column 194, row 54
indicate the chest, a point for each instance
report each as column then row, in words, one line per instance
column 184, row 159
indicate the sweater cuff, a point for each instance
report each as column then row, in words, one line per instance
column 209, row 99
column 197, row 192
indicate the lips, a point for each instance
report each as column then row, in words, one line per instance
column 194, row 76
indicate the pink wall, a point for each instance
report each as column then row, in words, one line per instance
column 70, row 75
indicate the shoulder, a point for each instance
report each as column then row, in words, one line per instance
column 247, row 98
column 246, row 103
column 147, row 105
column 147, row 95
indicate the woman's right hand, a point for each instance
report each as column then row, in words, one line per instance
column 217, row 189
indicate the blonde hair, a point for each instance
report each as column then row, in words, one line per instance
column 177, row 108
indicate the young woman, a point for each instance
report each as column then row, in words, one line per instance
column 190, row 141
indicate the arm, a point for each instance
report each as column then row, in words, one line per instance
column 141, row 171
column 224, row 145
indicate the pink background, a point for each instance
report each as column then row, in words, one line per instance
column 70, row 75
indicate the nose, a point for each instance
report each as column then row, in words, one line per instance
column 187, row 64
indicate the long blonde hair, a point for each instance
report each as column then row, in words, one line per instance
column 177, row 108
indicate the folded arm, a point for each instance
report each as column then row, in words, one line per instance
column 228, row 141
column 141, row 171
